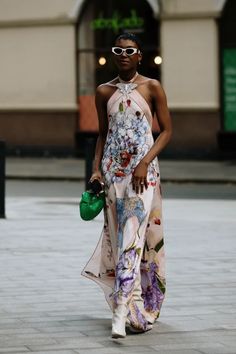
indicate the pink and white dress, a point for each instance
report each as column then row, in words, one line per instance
column 129, row 260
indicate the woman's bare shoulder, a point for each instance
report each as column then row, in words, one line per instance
column 154, row 86
column 106, row 88
column 149, row 81
column 105, row 91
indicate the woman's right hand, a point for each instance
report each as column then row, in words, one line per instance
column 96, row 175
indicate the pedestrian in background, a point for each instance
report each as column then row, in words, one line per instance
column 128, row 262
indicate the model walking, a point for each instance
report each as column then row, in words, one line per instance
column 129, row 259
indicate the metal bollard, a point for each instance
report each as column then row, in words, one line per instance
column 89, row 154
column 2, row 178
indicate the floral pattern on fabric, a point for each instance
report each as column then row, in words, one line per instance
column 125, row 274
column 128, row 262
column 136, row 318
column 126, row 208
column 126, row 269
column 129, row 139
column 152, row 288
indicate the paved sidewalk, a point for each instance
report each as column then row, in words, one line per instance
column 74, row 169
column 46, row 307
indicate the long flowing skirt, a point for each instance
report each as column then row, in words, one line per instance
column 129, row 260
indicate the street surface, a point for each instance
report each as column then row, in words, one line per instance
column 47, row 307
column 66, row 189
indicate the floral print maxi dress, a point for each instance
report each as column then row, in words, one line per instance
column 128, row 262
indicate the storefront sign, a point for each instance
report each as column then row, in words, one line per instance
column 116, row 22
column 229, row 88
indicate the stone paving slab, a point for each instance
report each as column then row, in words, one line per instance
column 46, row 306
column 17, row 349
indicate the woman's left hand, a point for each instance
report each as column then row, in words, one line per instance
column 139, row 179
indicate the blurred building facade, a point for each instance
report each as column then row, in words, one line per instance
column 54, row 53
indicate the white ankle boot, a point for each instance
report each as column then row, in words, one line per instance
column 118, row 321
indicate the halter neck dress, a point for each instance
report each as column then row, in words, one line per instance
column 129, row 261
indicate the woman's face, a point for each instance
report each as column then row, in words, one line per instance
column 126, row 62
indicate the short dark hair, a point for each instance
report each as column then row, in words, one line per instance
column 132, row 37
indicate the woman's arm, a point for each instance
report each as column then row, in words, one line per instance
column 164, row 120
column 100, row 101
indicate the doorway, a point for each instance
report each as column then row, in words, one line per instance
column 100, row 22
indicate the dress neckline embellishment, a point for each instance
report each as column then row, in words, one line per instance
column 129, row 81
column 126, row 88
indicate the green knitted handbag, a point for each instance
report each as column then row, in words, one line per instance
column 91, row 204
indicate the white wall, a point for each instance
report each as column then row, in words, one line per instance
column 37, row 67
column 37, row 63
column 23, row 10
column 192, row 7
column 190, row 72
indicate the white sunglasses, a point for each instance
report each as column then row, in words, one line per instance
column 127, row 51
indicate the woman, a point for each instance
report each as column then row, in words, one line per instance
column 129, row 259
